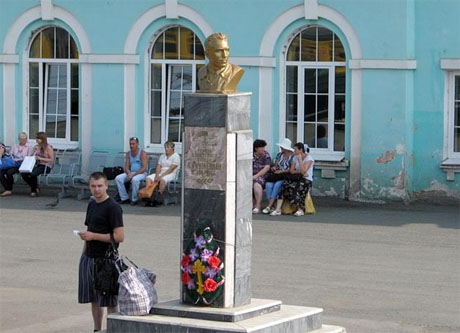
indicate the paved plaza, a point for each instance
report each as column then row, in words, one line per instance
column 373, row 268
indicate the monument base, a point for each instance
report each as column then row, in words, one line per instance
column 261, row 316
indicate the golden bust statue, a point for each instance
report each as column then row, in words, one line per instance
column 218, row 76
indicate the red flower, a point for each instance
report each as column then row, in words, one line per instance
column 214, row 262
column 185, row 260
column 185, row 278
column 210, row 285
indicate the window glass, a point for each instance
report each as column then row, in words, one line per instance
column 157, row 51
column 73, row 49
column 173, row 130
column 310, row 108
column 291, row 107
column 339, row 108
column 33, row 101
column 322, row 87
column 323, row 81
column 57, row 77
column 457, row 88
column 291, row 131
column 156, row 76
column 48, row 43
column 33, row 125
column 74, row 103
column 291, row 78
column 186, row 43
column 340, row 80
column 309, row 134
column 199, row 50
column 310, row 80
column 339, row 51
column 62, row 44
column 187, row 79
column 61, row 126
column 74, row 129
column 156, row 103
column 323, row 108
column 293, row 51
column 50, row 126
column 339, row 137
column 35, row 48
column 309, row 46
column 325, row 38
column 171, row 43
column 173, row 73
column 457, row 115
column 74, row 76
column 156, row 130
column 321, row 136
column 33, row 75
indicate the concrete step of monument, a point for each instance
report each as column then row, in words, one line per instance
column 323, row 329
column 330, row 329
column 289, row 319
column 257, row 307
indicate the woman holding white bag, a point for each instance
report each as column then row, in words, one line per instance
column 44, row 155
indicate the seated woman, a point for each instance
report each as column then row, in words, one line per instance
column 167, row 168
column 260, row 166
column 44, row 155
column 18, row 152
column 280, row 168
column 296, row 187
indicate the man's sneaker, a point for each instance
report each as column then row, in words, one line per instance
column 299, row 213
column 275, row 213
column 256, row 211
column 267, row 210
column 133, row 203
column 123, row 202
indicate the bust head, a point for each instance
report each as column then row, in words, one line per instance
column 217, row 50
column 218, row 76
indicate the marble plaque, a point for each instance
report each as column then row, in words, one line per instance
column 205, row 158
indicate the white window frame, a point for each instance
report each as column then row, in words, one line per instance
column 450, row 157
column 159, row 147
column 319, row 154
column 59, row 143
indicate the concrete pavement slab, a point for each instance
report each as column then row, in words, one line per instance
column 372, row 268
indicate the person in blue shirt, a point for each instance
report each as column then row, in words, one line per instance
column 135, row 172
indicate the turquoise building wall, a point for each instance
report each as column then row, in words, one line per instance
column 398, row 109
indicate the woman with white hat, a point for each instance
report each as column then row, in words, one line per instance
column 280, row 168
column 296, row 188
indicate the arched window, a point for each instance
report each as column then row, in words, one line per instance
column 176, row 57
column 53, row 85
column 315, row 90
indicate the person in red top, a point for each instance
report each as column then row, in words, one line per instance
column 260, row 166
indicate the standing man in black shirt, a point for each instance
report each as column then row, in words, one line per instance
column 103, row 217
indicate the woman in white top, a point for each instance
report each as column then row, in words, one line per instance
column 296, row 188
column 167, row 168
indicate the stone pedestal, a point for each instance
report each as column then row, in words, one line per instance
column 217, row 194
column 260, row 316
column 217, row 187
